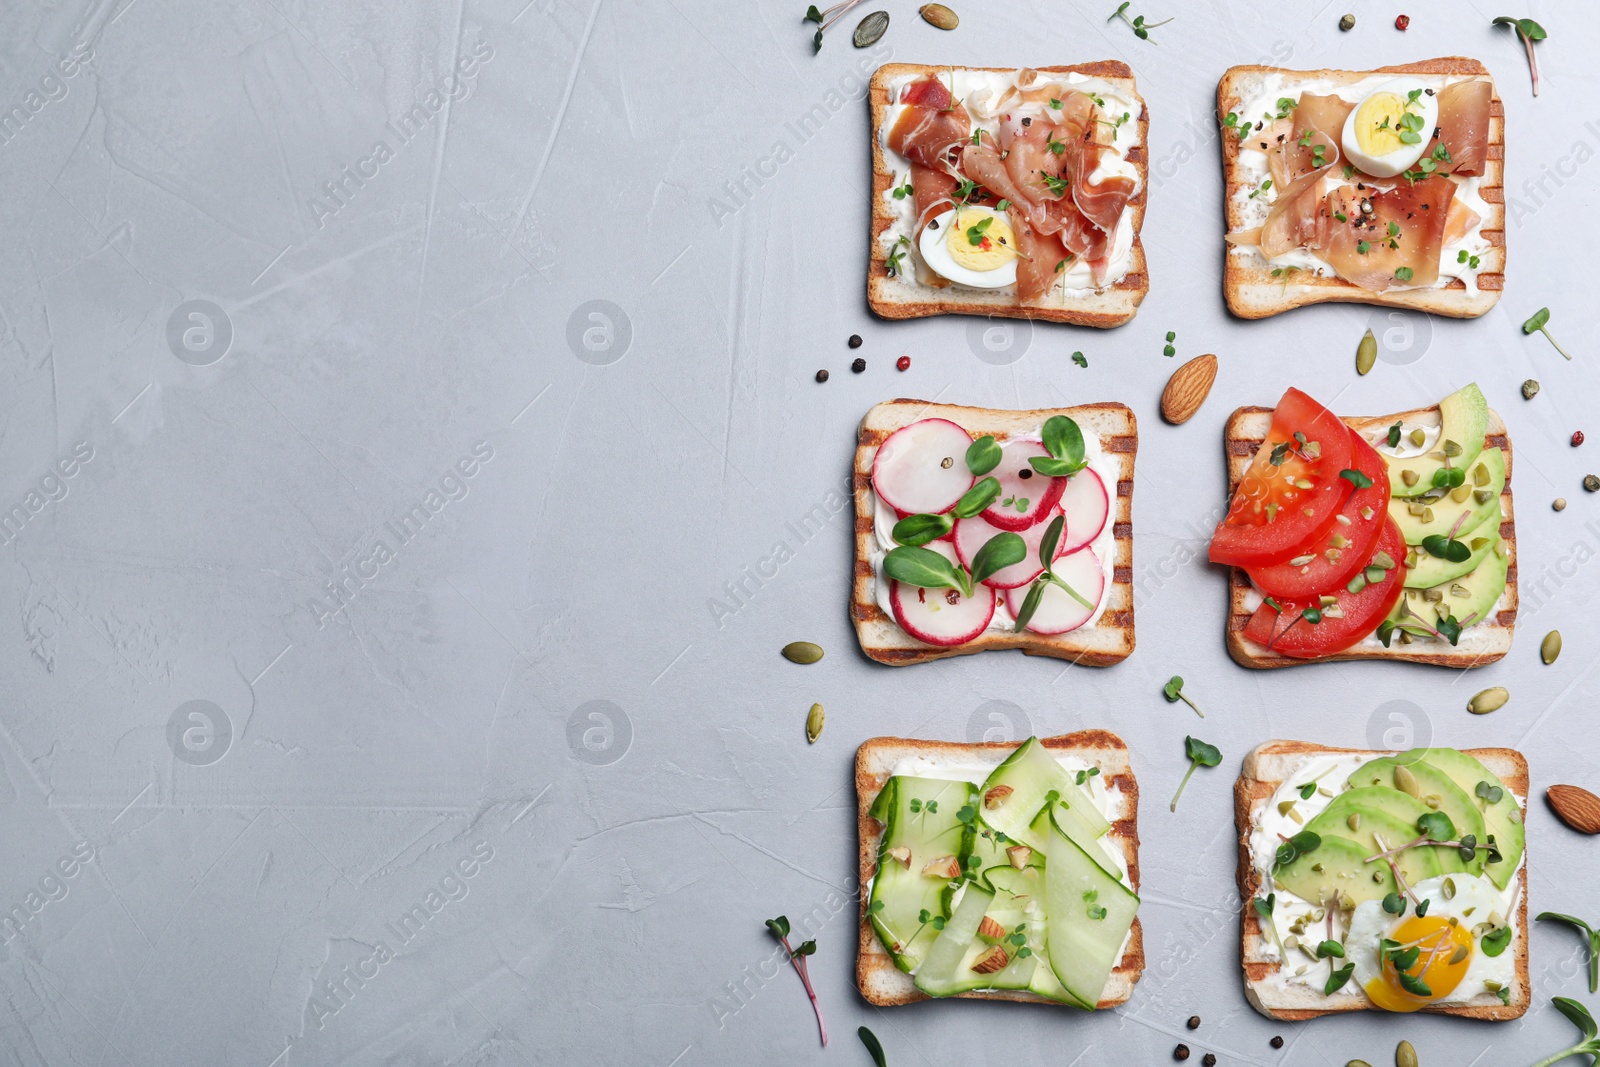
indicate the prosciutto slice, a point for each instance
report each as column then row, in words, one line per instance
column 1463, row 127
column 930, row 125
column 1320, row 117
column 1037, row 257
column 931, row 190
column 1100, row 202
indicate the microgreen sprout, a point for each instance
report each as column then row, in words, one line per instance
column 1576, row 1013
column 1538, row 322
column 1173, row 691
column 1200, row 755
column 1141, row 28
column 797, row 956
column 1529, row 31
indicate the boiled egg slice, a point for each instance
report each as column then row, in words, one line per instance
column 971, row 246
column 1388, row 130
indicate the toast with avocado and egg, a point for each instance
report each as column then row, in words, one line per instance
column 999, row 871
column 958, row 507
column 1385, row 538
column 1008, row 192
column 1331, row 924
column 1375, row 187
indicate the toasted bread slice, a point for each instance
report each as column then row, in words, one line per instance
column 1482, row 643
column 1108, row 641
column 879, row 980
column 1247, row 282
column 905, row 298
column 1267, row 767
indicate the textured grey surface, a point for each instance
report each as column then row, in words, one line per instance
column 590, row 489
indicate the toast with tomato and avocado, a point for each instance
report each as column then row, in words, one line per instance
column 1383, row 881
column 979, row 529
column 999, row 871
column 1386, row 538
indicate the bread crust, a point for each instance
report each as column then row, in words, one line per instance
column 1110, row 640
column 1248, row 286
column 878, row 979
column 1264, row 770
column 1243, row 434
column 1104, row 310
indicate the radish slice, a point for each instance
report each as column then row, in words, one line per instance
column 972, row 534
column 1087, row 506
column 942, row 616
column 1032, row 496
column 1059, row 612
column 922, row 468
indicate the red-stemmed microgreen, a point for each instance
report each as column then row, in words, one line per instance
column 797, row 956
column 825, row 19
column 1200, row 755
column 1529, row 31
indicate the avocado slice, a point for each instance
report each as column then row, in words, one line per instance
column 1431, row 570
column 1338, row 868
column 900, row 891
column 1503, row 818
column 1446, row 511
column 1464, row 419
column 1379, row 811
column 1436, row 789
column 1482, row 589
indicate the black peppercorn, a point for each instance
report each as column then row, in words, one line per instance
column 1277, row 1041
column 822, row 375
column 1209, row 1060
column 855, row 340
column 1181, row 1052
column 858, row 365
column 1194, row 1022
column 1025, row 473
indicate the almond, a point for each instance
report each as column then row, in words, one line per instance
column 991, row 931
column 1188, row 388
column 1019, row 855
column 996, row 796
column 993, row 960
column 901, row 855
column 943, row 867
column 1575, row 806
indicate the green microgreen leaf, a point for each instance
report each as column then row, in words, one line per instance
column 1338, row 979
column 980, row 496
column 920, row 529
column 874, row 1046
column 998, row 553
column 1356, row 478
column 925, row 568
column 983, row 455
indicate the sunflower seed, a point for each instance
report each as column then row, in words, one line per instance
column 869, row 29
column 802, row 652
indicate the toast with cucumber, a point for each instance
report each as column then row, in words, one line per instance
column 1383, row 881
column 999, row 871
column 1387, row 538
column 979, row 529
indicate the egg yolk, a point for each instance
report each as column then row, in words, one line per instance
column 1444, row 953
column 1378, row 124
column 981, row 241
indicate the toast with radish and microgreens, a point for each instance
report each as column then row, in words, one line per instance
column 1011, row 192
column 1376, row 187
column 999, row 871
column 979, row 529
column 1383, row 881
column 1387, row 538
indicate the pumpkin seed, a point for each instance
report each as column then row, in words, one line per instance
column 1366, row 353
column 940, row 16
column 1492, row 699
column 1406, row 782
column 1285, row 807
column 869, row 29
column 1460, row 493
column 802, row 652
column 1480, row 475
column 1449, row 890
column 1452, row 449
column 814, row 723
column 1477, row 543
column 1459, row 954
column 1550, row 648
column 1374, row 575
column 1482, row 496
column 1409, row 476
column 1405, row 1055
column 1418, row 436
column 1354, row 821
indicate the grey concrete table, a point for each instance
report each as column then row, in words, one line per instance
column 411, row 465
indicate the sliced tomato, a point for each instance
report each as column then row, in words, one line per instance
column 1349, row 543
column 1351, row 617
column 1283, row 510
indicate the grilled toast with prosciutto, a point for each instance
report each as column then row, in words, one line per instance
column 1306, row 221
column 1055, row 156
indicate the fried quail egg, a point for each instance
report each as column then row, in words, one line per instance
column 1450, row 964
column 1388, row 130
column 971, row 246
